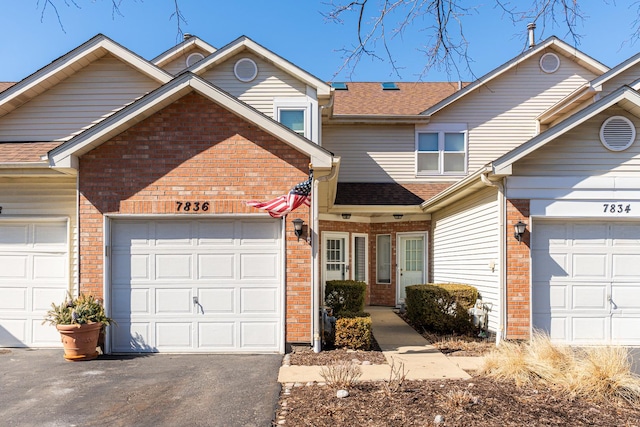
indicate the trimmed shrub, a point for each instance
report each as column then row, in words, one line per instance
column 345, row 295
column 441, row 308
column 354, row 333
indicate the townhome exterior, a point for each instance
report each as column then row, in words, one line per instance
column 128, row 179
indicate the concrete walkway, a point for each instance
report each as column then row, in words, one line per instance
column 400, row 344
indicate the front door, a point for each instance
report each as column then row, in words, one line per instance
column 335, row 256
column 411, row 262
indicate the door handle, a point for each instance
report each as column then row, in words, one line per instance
column 195, row 301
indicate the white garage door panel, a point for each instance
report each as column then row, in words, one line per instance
column 34, row 266
column 586, row 278
column 190, row 285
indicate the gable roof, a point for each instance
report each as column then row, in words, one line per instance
column 615, row 71
column 187, row 45
column 245, row 43
column 551, row 43
column 368, row 98
column 66, row 154
column 5, row 85
column 628, row 98
column 71, row 62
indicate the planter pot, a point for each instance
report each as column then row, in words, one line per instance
column 80, row 341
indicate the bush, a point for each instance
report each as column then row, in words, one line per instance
column 354, row 333
column 441, row 308
column 345, row 295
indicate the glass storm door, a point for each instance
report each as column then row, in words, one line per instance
column 335, row 258
column 411, row 263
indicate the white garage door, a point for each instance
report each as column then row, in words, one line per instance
column 586, row 281
column 202, row 285
column 33, row 274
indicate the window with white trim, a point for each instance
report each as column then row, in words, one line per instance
column 441, row 152
column 296, row 114
column 383, row 258
column 293, row 118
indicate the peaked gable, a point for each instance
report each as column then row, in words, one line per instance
column 553, row 43
column 244, row 43
column 70, row 63
column 66, row 154
column 627, row 97
column 190, row 45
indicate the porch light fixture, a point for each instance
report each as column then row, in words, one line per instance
column 297, row 227
column 398, row 216
column 346, row 215
column 519, row 229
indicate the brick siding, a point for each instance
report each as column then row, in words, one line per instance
column 193, row 150
column 518, row 273
column 377, row 293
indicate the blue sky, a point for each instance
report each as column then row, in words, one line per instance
column 294, row 29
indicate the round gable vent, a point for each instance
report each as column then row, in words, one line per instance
column 617, row 133
column 549, row 63
column 245, row 70
column 193, row 58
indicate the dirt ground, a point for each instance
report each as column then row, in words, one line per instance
column 478, row 401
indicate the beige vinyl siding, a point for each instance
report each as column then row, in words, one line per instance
column 465, row 242
column 270, row 83
column 579, row 152
column 75, row 103
column 179, row 63
column 501, row 115
column 373, row 153
column 627, row 77
column 40, row 198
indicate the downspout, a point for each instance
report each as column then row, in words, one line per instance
column 502, row 263
column 315, row 268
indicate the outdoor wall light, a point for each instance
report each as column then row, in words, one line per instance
column 398, row 216
column 297, row 227
column 346, row 215
column 519, row 229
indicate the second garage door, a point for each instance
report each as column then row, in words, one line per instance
column 205, row 285
column 586, row 281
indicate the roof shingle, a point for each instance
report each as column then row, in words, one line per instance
column 382, row 194
column 409, row 99
column 25, row 152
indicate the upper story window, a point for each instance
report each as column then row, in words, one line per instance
column 441, row 152
column 294, row 119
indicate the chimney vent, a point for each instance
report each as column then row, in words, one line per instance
column 186, row 36
column 532, row 37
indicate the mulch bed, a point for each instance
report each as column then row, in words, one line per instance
column 479, row 401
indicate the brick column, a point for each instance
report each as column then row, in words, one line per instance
column 518, row 272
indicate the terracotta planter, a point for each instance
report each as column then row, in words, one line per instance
column 80, row 341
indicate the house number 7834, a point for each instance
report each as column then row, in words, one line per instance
column 192, row 206
column 613, row 208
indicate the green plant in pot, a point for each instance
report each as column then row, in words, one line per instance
column 79, row 321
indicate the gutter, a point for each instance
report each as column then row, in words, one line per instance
column 315, row 268
column 379, row 119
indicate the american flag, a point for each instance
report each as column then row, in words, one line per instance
column 281, row 206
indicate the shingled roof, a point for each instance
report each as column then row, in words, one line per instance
column 5, row 85
column 409, row 99
column 25, row 152
column 386, row 194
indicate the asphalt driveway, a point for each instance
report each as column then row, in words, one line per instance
column 40, row 388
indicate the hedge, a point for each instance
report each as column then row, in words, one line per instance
column 345, row 296
column 441, row 308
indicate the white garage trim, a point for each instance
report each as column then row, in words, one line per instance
column 585, row 280
column 34, row 272
column 195, row 283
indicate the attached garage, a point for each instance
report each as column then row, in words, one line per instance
column 34, row 272
column 197, row 285
column 586, row 281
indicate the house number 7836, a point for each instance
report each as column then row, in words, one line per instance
column 192, row 206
